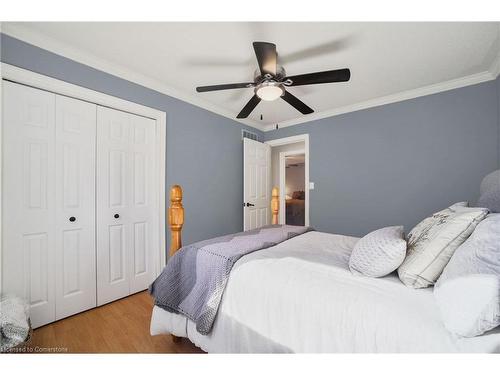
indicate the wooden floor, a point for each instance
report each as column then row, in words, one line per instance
column 118, row 327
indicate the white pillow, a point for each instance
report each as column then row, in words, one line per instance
column 468, row 291
column 379, row 253
column 434, row 240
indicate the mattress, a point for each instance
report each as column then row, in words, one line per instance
column 300, row 296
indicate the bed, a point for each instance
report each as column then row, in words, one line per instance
column 299, row 296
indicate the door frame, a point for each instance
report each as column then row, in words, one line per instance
column 40, row 81
column 285, row 141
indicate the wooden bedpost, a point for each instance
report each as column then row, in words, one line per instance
column 176, row 221
column 275, row 204
column 175, row 218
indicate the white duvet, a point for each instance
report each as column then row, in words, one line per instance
column 300, row 296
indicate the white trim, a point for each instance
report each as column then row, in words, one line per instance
column 30, row 78
column 495, row 65
column 52, row 45
column 161, row 146
column 401, row 96
column 25, row 34
column 289, row 140
column 27, row 77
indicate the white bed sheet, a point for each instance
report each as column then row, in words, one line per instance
column 300, row 296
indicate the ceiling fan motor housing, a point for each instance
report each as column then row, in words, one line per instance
column 269, row 87
column 280, row 75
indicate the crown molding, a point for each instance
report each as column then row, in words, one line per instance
column 23, row 33
column 52, row 45
column 495, row 66
column 389, row 99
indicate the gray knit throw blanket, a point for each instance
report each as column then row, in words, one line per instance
column 14, row 326
column 194, row 279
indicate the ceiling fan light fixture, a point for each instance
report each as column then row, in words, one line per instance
column 269, row 91
column 270, row 80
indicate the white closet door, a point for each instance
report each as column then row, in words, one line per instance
column 127, row 217
column 29, row 198
column 143, row 203
column 75, row 206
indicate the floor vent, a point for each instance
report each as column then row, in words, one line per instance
column 250, row 135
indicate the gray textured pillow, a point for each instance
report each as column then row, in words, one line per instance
column 379, row 252
column 490, row 192
column 468, row 292
column 490, row 182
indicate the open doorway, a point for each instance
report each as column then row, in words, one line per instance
column 294, row 186
column 290, row 172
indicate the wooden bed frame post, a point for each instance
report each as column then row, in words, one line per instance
column 176, row 221
column 175, row 218
column 275, row 204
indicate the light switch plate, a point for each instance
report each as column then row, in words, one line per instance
column 311, row 185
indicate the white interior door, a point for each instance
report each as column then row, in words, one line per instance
column 256, row 184
column 127, row 215
column 75, row 206
column 28, row 198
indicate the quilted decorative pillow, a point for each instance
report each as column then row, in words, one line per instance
column 433, row 241
column 468, row 291
column 379, row 253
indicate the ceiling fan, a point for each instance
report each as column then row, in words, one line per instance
column 270, row 81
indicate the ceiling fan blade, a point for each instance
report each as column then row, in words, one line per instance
column 297, row 103
column 266, row 56
column 329, row 76
column 249, row 107
column 227, row 86
column 332, row 46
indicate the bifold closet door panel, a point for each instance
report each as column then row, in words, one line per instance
column 75, row 206
column 28, row 198
column 127, row 216
column 143, row 204
column 113, row 234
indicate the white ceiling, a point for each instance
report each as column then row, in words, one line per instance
column 388, row 61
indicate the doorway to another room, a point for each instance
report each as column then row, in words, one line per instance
column 290, row 172
column 282, row 163
column 293, row 166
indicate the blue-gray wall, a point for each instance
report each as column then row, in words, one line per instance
column 387, row 165
column 398, row 163
column 204, row 150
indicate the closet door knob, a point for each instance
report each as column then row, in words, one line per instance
column 72, row 218
column 116, row 216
